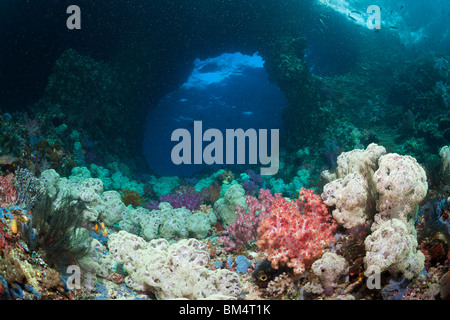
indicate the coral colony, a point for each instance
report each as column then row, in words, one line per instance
column 348, row 199
column 185, row 245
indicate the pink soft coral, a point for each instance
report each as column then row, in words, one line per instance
column 245, row 228
column 8, row 192
column 296, row 232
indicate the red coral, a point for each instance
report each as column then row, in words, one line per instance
column 2, row 242
column 8, row 192
column 296, row 232
column 244, row 229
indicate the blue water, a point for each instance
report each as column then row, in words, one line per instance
column 227, row 92
column 420, row 24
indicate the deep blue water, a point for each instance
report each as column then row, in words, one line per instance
column 231, row 91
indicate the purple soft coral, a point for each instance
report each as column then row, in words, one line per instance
column 258, row 179
column 175, row 200
column 250, row 187
column 152, row 205
column 191, row 201
column 244, row 230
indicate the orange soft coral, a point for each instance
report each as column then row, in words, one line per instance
column 296, row 232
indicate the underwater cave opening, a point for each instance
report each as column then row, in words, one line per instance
column 230, row 91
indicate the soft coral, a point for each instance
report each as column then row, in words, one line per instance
column 296, row 232
column 8, row 192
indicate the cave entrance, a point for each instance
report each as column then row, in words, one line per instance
column 229, row 91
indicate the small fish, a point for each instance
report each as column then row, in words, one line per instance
column 105, row 233
column 102, row 225
column 96, row 228
column 393, row 27
column 247, row 113
column 351, row 17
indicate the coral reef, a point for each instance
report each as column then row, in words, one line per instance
column 297, row 231
column 273, row 247
column 445, row 160
column 171, row 271
column 101, row 97
column 401, row 184
column 392, row 247
column 329, row 268
column 131, row 197
column 245, row 228
column 225, row 207
column 28, row 188
column 59, row 232
column 349, row 197
column 355, row 172
column 75, row 191
column 189, row 200
column 396, row 185
column 8, row 193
